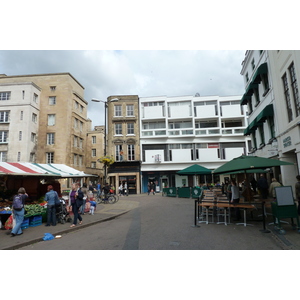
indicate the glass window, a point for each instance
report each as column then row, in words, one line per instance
column 50, row 157
column 4, row 116
column 118, row 128
column 118, row 110
column 34, row 118
column 287, row 97
column 50, row 138
column 130, row 128
column 93, row 139
column 3, row 156
column 4, row 96
column 52, row 100
column 129, row 110
column 20, row 135
column 131, row 154
column 35, row 98
column 94, row 152
column 295, row 88
column 51, row 120
column 3, row 136
column 119, row 153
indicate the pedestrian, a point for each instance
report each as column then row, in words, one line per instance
column 120, row 189
column 51, row 198
column 84, row 190
column 106, row 190
column 75, row 197
column 92, row 207
column 98, row 189
column 297, row 189
column 228, row 192
column 125, row 191
column 19, row 211
column 151, row 188
column 235, row 199
column 262, row 185
column 253, row 184
column 272, row 187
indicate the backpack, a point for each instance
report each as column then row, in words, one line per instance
column 17, row 202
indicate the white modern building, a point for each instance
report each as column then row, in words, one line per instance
column 177, row 132
column 272, row 99
column 19, row 119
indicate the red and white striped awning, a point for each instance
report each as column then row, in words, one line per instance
column 33, row 169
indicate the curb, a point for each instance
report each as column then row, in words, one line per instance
column 27, row 243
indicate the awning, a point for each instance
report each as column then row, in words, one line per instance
column 252, row 127
column 34, row 169
column 268, row 111
column 262, row 69
column 249, row 92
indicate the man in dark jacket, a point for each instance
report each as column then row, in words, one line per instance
column 262, row 185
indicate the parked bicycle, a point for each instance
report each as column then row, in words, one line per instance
column 111, row 198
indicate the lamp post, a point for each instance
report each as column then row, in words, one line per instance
column 105, row 129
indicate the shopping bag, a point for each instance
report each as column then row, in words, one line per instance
column 48, row 237
column 9, row 223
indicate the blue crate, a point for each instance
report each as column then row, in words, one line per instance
column 35, row 224
column 34, row 219
column 25, row 223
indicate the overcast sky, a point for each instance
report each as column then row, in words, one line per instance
column 143, row 73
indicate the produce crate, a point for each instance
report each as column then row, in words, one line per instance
column 25, row 223
column 35, row 221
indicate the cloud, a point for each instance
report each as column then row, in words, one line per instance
column 138, row 72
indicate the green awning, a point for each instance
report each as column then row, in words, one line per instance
column 252, row 127
column 249, row 92
column 268, row 111
column 262, row 69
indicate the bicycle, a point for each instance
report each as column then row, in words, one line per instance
column 111, row 199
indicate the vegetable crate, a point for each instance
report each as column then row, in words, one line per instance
column 35, row 221
column 25, row 223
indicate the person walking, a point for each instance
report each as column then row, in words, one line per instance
column 151, row 188
column 297, row 189
column 125, row 190
column 262, row 185
column 272, row 187
column 84, row 190
column 19, row 211
column 51, row 198
column 75, row 197
column 235, row 199
column 106, row 190
column 120, row 189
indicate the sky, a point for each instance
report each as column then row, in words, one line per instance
column 145, row 73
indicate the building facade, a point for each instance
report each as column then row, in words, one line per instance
column 271, row 95
column 176, row 132
column 19, row 119
column 123, row 141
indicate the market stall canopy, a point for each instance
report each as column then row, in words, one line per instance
column 194, row 170
column 246, row 162
column 34, row 169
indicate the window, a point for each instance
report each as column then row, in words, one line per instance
column 3, row 136
column 32, row 157
column 35, row 98
column 130, row 128
column 295, row 88
column 34, row 118
column 118, row 128
column 247, row 77
column 51, row 120
column 118, row 110
column 52, row 88
column 52, row 100
column 93, row 139
column 4, row 96
column 79, row 160
column 119, row 153
column 129, row 110
column 33, row 137
column 21, row 115
column 19, row 156
column 49, row 157
column 287, row 97
column 3, row 156
column 93, row 152
column 75, row 141
column 130, row 151
column 75, row 159
column 4, row 116
column 253, row 64
column 20, row 135
column 80, row 143
column 93, row 165
column 50, row 138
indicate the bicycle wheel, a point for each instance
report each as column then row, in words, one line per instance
column 117, row 198
column 111, row 199
column 99, row 199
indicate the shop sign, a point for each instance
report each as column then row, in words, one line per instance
column 287, row 142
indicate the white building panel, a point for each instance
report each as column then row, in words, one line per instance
column 151, row 156
column 181, row 155
column 182, row 111
column 205, row 111
column 231, row 111
column 231, row 153
column 209, row 154
column 151, row 112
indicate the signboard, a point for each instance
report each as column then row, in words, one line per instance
column 284, row 195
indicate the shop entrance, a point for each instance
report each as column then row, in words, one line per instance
column 131, row 183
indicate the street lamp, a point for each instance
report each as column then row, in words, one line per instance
column 105, row 128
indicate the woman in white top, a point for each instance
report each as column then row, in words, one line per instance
column 235, row 198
